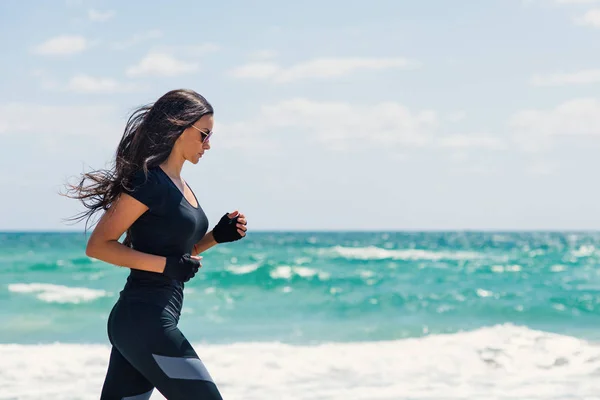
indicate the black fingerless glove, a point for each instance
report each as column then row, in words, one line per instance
column 181, row 268
column 226, row 230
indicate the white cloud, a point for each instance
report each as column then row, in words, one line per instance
column 462, row 141
column 590, row 18
column 83, row 83
column 100, row 16
column 258, row 70
column 561, row 2
column 263, row 54
column 89, row 84
column 346, row 127
column 54, row 122
column 576, row 1
column 199, row 49
column 535, row 129
column 456, row 116
column 161, row 64
column 137, row 39
column 540, row 168
column 475, row 170
column 574, row 117
column 186, row 50
column 336, row 125
column 62, row 45
column 74, row 3
column 573, row 78
column 318, row 68
column 459, row 156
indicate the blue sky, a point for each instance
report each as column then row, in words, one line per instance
column 399, row 115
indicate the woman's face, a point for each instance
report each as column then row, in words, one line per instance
column 191, row 140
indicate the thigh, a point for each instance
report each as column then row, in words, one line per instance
column 123, row 381
column 174, row 368
column 151, row 341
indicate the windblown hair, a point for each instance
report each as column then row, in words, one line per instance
column 149, row 136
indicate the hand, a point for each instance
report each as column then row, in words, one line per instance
column 231, row 227
column 241, row 223
column 182, row 268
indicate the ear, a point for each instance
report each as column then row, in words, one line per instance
column 184, row 136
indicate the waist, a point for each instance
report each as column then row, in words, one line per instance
column 153, row 288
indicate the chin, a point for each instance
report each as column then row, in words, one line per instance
column 195, row 159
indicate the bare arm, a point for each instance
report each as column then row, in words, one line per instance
column 204, row 244
column 209, row 241
column 103, row 243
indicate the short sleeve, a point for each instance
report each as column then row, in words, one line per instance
column 143, row 189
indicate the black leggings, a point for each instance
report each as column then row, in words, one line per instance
column 149, row 351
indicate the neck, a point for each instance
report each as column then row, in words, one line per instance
column 173, row 165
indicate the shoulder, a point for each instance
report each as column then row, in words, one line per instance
column 141, row 177
column 142, row 180
column 144, row 186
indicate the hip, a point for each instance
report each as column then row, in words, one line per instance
column 133, row 322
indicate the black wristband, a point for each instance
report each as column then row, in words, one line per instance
column 226, row 230
column 181, row 268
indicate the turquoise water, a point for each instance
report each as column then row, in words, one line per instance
column 315, row 287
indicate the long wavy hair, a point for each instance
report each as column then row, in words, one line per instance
column 149, row 136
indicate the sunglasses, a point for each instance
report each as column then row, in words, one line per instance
column 205, row 135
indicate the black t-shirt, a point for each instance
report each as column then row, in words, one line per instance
column 170, row 226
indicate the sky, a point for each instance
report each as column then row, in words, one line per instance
column 329, row 115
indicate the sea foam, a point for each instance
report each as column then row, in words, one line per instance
column 57, row 293
column 499, row 362
column 377, row 253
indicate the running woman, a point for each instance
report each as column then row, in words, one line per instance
column 145, row 197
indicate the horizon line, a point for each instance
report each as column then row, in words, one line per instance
column 355, row 230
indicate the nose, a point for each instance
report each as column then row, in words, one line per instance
column 206, row 145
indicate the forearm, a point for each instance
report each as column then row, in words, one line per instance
column 204, row 244
column 118, row 254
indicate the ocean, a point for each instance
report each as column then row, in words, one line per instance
column 327, row 315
